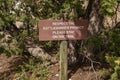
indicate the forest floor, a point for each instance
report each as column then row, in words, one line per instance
column 75, row 72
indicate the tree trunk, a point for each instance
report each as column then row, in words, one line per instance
column 95, row 23
column 95, row 17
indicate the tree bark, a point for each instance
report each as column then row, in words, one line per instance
column 94, row 16
column 95, row 23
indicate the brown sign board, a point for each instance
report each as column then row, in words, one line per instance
column 62, row 30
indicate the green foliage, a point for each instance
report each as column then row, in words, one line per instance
column 107, row 7
column 29, row 12
column 5, row 12
column 1, row 49
column 14, row 48
column 73, row 8
column 96, row 41
column 113, row 57
column 104, row 73
column 111, row 60
column 114, row 41
column 116, row 74
column 33, row 70
column 107, row 47
column 12, row 11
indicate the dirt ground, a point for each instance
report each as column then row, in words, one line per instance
column 74, row 73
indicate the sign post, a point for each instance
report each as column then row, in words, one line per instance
column 63, row 30
column 63, row 61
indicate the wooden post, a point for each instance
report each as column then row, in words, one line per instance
column 63, row 61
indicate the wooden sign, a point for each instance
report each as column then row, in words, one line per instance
column 62, row 30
